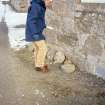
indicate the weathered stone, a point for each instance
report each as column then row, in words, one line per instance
column 59, row 57
column 70, row 39
column 50, row 55
column 61, row 11
column 91, row 63
column 19, row 5
column 51, row 35
column 92, row 46
column 68, row 68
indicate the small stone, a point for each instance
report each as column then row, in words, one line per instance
column 68, row 68
column 19, row 5
column 59, row 57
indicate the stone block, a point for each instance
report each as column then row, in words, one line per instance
column 59, row 57
column 92, row 46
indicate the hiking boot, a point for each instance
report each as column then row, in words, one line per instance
column 43, row 69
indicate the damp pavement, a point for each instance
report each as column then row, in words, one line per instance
column 20, row 84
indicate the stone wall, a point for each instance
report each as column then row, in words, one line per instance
column 89, row 24
column 79, row 31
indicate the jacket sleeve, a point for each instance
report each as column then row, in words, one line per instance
column 34, row 12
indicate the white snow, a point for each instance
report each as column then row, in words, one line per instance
column 13, row 19
column 16, row 37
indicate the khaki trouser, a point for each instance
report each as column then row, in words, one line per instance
column 40, row 48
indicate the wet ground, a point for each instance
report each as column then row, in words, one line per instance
column 20, row 84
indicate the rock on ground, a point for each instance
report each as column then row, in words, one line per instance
column 68, row 68
column 59, row 57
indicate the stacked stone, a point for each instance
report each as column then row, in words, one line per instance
column 19, row 5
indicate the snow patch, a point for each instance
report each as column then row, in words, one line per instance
column 13, row 19
column 17, row 38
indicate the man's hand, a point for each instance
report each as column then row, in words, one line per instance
column 48, row 3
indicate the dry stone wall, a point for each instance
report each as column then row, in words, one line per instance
column 80, row 30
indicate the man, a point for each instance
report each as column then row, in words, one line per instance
column 34, row 31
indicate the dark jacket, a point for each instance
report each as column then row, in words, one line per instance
column 35, row 21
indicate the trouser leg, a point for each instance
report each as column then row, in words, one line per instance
column 35, row 52
column 40, row 52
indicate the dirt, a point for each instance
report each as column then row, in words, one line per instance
column 57, row 87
